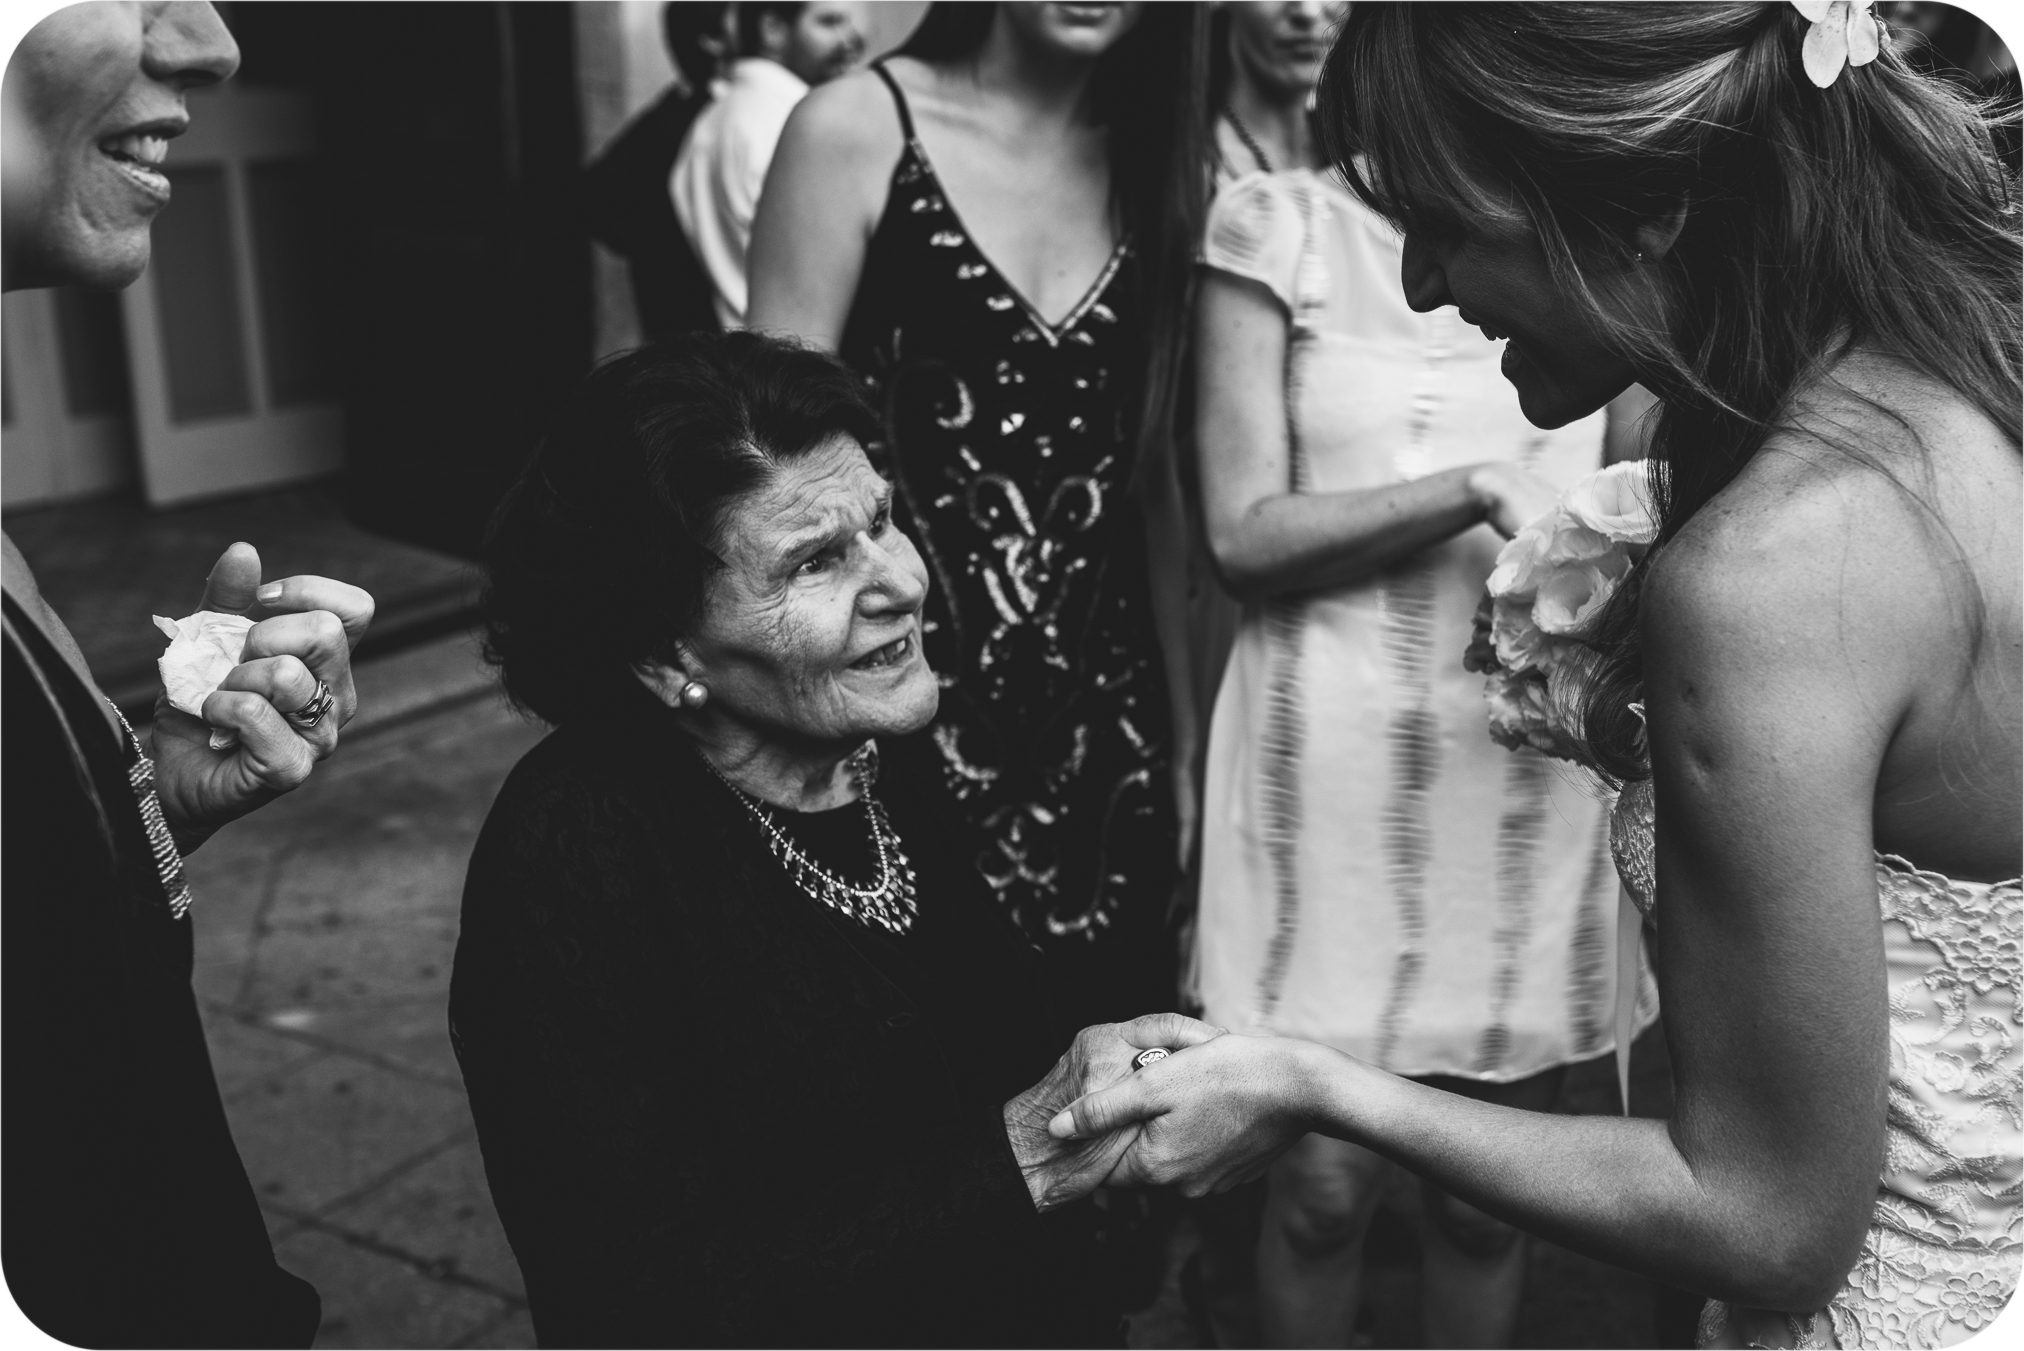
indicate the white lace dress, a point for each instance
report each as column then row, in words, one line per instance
column 1945, row 1242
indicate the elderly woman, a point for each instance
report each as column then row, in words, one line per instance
column 745, row 1043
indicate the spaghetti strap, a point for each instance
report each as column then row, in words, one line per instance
column 899, row 99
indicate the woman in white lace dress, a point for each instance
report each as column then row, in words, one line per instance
column 1812, row 255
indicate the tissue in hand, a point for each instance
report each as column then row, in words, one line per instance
column 203, row 647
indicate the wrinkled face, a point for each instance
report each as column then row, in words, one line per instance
column 1086, row 30
column 1497, row 275
column 811, row 634
column 93, row 94
column 826, row 40
column 1279, row 45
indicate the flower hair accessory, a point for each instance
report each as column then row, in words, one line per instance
column 1843, row 34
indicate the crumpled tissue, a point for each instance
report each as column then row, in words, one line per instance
column 202, row 649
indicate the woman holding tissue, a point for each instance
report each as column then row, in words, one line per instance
column 748, row 1045
column 128, row 1219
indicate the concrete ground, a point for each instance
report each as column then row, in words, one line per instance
column 325, row 930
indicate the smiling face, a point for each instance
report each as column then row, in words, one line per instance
column 1278, row 45
column 1497, row 275
column 93, row 94
column 811, row 634
column 1086, row 30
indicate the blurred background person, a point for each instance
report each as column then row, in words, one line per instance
column 993, row 227
column 1377, row 874
column 783, row 50
column 128, row 1219
column 627, row 203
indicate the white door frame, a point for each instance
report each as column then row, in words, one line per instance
column 208, row 457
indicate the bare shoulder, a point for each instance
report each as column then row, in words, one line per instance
column 849, row 122
column 1857, row 528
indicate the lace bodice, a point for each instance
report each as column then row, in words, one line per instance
column 1945, row 1241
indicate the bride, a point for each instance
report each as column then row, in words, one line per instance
column 1811, row 253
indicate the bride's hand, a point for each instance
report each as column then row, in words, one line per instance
column 1209, row 1118
column 1059, row 1170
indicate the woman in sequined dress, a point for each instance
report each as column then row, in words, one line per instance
column 1809, row 687
column 992, row 228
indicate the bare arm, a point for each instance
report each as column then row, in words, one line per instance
column 1772, row 702
column 1267, row 539
column 821, row 203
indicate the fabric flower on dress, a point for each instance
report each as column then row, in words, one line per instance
column 1843, row 34
column 203, row 648
column 1972, row 1298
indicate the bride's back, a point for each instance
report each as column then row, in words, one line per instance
column 1902, row 500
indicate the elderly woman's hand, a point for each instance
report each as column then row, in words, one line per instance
column 1059, row 1171
column 1205, row 1119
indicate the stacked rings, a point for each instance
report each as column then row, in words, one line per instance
column 313, row 712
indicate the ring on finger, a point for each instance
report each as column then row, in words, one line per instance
column 312, row 713
column 1150, row 1057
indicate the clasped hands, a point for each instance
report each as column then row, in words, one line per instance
column 315, row 623
column 1209, row 1117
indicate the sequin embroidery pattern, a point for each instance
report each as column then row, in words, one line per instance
column 1010, row 439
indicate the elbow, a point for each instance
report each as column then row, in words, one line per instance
column 1244, row 576
column 1801, row 1285
column 1798, row 1270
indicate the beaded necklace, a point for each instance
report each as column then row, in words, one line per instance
column 889, row 901
column 1250, row 141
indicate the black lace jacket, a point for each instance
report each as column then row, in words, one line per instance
column 709, row 1117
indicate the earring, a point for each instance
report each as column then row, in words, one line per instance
column 695, row 694
column 1640, row 255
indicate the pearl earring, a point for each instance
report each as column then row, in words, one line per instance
column 695, row 694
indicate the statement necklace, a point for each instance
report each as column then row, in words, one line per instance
column 889, row 901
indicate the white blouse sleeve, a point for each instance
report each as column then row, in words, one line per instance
column 1256, row 231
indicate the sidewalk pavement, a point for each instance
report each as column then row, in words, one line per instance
column 325, row 930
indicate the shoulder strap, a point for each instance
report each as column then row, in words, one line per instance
column 899, row 99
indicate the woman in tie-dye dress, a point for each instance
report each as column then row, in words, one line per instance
column 1377, row 874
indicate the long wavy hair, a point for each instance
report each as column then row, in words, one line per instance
column 1874, row 213
column 1149, row 91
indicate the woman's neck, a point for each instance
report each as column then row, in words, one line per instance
column 1048, row 86
column 802, row 778
column 1278, row 122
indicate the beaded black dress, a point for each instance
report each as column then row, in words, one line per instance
column 1012, row 444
